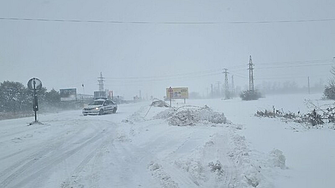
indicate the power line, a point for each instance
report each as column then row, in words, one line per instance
column 205, row 73
column 298, row 62
column 239, row 75
column 292, row 66
column 285, row 77
column 286, row 64
column 216, row 72
column 166, row 22
column 171, row 76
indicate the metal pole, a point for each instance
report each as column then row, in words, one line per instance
column 35, row 117
column 226, row 84
column 251, row 75
column 35, row 100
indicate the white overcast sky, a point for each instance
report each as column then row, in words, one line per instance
column 149, row 45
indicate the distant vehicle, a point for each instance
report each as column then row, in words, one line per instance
column 100, row 107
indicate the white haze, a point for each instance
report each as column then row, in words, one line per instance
column 156, row 44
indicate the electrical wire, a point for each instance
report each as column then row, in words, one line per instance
column 215, row 72
column 171, row 76
column 166, row 22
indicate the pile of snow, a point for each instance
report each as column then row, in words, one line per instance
column 164, row 178
column 159, row 103
column 226, row 161
column 277, row 159
column 136, row 117
column 191, row 115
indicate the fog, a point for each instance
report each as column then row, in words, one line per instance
column 150, row 45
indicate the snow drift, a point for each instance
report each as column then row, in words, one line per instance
column 192, row 115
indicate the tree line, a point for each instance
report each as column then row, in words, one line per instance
column 17, row 98
column 329, row 91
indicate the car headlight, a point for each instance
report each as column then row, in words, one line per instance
column 97, row 108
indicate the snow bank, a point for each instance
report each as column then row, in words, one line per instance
column 191, row 115
column 159, row 103
column 226, row 161
column 277, row 159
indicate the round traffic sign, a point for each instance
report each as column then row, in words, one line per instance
column 34, row 84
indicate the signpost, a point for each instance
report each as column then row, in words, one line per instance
column 170, row 90
column 68, row 94
column 35, row 85
column 177, row 93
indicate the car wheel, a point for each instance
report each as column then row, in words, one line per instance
column 114, row 110
column 101, row 112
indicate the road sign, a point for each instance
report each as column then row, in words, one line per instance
column 177, row 93
column 34, row 84
column 170, row 90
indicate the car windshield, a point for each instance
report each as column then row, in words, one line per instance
column 97, row 103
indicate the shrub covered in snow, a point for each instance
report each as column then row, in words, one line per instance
column 313, row 118
column 329, row 91
column 250, row 95
column 217, row 167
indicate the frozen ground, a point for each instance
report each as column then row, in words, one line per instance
column 207, row 143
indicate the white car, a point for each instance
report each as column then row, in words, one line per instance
column 100, row 107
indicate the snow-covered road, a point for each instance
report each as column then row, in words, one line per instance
column 138, row 147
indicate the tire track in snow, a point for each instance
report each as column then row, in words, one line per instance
column 167, row 174
column 43, row 163
column 198, row 157
column 231, row 172
column 127, row 162
column 6, row 136
column 54, row 160
column 224, row 155
column 34, row 157
column 97, row 154
column 179, row 176
column 53, row 140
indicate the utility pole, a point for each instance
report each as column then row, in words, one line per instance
column 226, row 85
column 212, row 91
column 101, row 82
column 309, row 87
column 207, row 93
column 83, row 86
column 251, row 75
column 232, row 86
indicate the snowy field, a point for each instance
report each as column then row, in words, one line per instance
column 207, row 143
